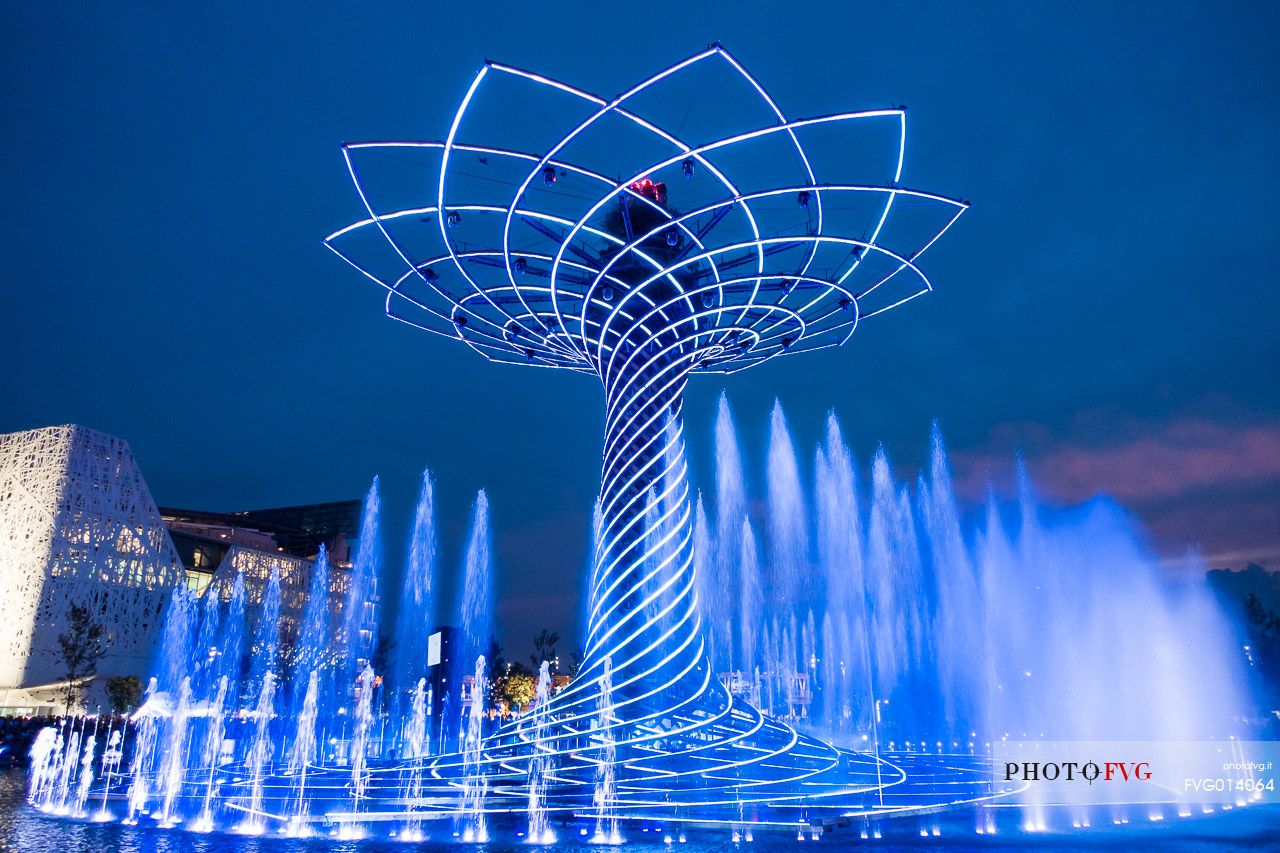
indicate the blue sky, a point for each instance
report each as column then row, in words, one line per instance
column 1108, row 306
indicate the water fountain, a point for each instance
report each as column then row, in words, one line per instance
column 44, row 749
column 67, row 764
column 212, row 756
column 853, row 651
column 605, row 798
column 258, row 759
column 79, row 808
column 231, row 639
column 475, row 785
column 358, row 636
column 417, row 745
column 176, row 643
column 750, row 598
column 416, row 741
column 207, row 645
column 417, row 604
column 303, row 753
column 144, row 744
column 475, row 609
column 539, row 827
column 359, row 755
column 787, row 529
column 730, row 510
column 195, row 761
column 311, row 653
column 108, row 766
column 174, row 769
column 266, row 641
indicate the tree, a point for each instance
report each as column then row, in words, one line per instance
column 124, row 693
column 544, row 647
column 81, row 648
column 1266, row 621
column 516, row 688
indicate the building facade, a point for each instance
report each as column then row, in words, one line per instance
column 78, row 528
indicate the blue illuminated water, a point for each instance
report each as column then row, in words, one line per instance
column 417, row 603
column 871, row 615
column 26, row 830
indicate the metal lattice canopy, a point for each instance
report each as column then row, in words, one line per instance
column 688, row 215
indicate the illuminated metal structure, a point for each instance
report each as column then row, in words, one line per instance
column 643, row 252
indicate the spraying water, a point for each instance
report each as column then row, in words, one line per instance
column 259, row 757
column 112, row 754
column 917, row 627
column 750, row 597
column 731, row 513
column 41, row 756
column 907, row 627
column 232, row 640
column 476, row 781
column 173, row 770
column 606, row 793
column 303, row 753
column 787, row 525
column 843, row 632
column 67, row 763
column 144, row 745
column 416, row 600
column 360, row 748
column 212, row 755
column 206, row 647
column 476, row 609
column 86, row 775
column 540, row 831
column 416, row 740
column 312, row 651
column 417, row 746
column 359, row 613
column 709, row 598
column 266, row 642
column 176, row 641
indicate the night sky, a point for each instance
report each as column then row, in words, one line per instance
column 1109, row 305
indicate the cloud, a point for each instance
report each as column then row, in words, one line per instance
column 1158, row 462
column 1194, row 482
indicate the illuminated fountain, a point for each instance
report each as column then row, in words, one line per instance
column 539, row 830
column 475, row 784
column 868, row 653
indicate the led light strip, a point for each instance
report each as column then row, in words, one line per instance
column 635, row 314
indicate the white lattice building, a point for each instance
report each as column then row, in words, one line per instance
column 77, row 526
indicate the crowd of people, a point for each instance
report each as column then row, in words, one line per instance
column 16, row 735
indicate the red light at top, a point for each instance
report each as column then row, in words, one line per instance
column 654, row 192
